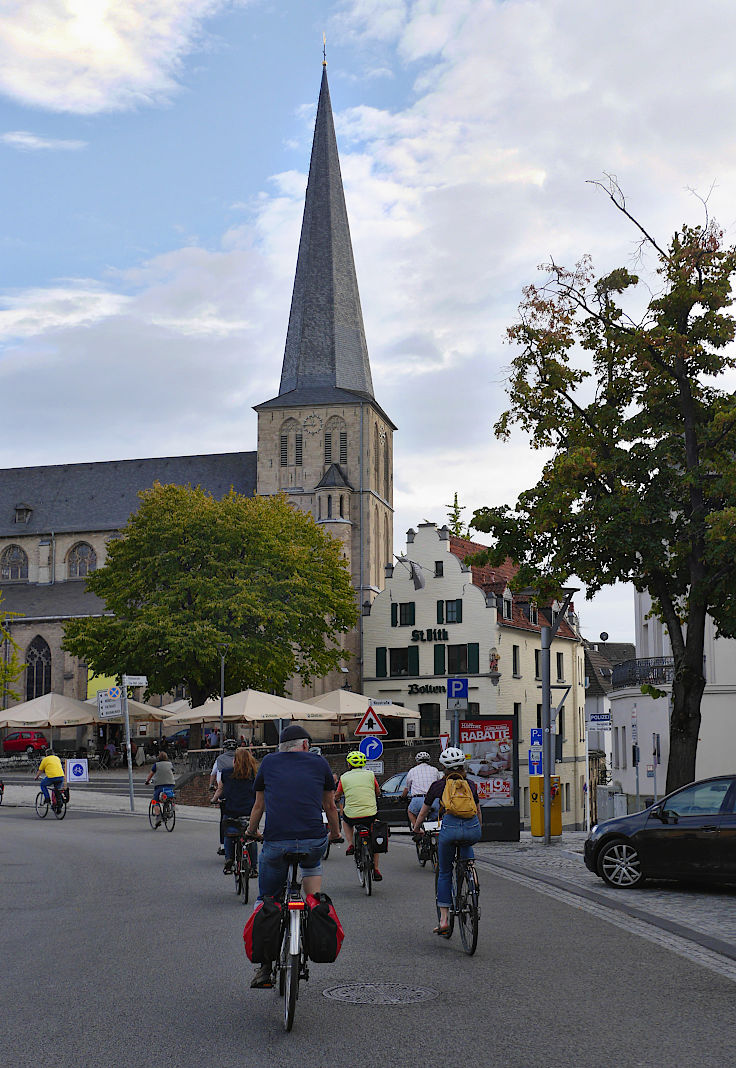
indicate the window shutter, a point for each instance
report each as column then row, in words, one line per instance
column 413, row 651
column 440, row 611
column 412, row 613
column 439, row 660
column 394, row 614
column 381, row 662
column 473, row 658
column 459, row 603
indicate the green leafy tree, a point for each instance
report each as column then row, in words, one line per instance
column 10, row 666
column 455, row 518
column 641, row 484
column 190, row 572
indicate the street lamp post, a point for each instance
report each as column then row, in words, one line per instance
column 547, row 635
column 222, row 649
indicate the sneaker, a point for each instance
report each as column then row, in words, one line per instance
column 349, row 851
column 263, row 978
column 221, row 851
column 377, row 877
column 253, row 874
column 229, row 864
column 158, row 821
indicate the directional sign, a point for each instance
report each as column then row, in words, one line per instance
column 370, row 724
column 371, row 748
column 77, row 770
column 136, row 680
column 109, row 703
column 535, row 761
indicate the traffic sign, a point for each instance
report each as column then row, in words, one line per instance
column 77, row 770
column 535, row 761
column 537, row 736
column 457, row 688
column 601, row 721
column 370, row 724
column 109, row 703
column 376, row 766
column 135, row 680
column 371, row 748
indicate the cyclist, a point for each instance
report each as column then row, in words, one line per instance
column 292, row 787
column 360, row 789
column 53, row 774
column 236, row 787
column 223, row 762
column 162, row 773
column 418, row 781
column 462, row 829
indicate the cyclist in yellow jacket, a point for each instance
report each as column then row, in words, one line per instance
column 360, row 789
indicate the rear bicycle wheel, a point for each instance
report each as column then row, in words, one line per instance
column 153, row 812
column 359, row 861
column 169, row 815
column 238, row 865
column 42, row 806
column 60, row 808
column 467, row 911
column 244, row 873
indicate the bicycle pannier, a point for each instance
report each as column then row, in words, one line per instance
column 380, row 836
column 261, row 932
column 457, row 798
column 324, row 932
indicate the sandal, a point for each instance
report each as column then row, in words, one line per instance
column 441, row 931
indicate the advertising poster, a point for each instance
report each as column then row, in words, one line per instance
column 489, row 748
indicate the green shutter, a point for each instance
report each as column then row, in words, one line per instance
column 394, row 614
column 459, row 603
column 473, row 658
column 440, row 611
column 381, row 662
column 413, row 660
column 439, row 659
column 412, row 613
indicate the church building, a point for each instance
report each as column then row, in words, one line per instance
column 324, row 441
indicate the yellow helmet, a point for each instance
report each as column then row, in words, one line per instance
column 356, row 759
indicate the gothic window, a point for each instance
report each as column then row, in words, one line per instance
column 329, row 506
column 387, row 540
column 13, row 564
column 375, row 453
column 290, row 453
column 343, row 447
column 82, row 559
column 342, row 507
column 38, row 669
column 328, row 448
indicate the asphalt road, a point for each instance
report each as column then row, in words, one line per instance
column 123, row 947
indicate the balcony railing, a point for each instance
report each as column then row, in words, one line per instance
column 654, row 669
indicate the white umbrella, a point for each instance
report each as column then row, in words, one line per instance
column 50, row 710
column 344, row 704
column 249, row 706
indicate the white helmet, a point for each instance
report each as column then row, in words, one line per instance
column 452, row 758
column 423, row 758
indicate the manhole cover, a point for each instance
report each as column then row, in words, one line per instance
column 379, row 994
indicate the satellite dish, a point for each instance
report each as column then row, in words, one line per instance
column 604, row 636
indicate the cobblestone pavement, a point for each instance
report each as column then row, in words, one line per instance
column 696, row 920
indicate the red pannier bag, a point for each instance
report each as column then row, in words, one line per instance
column 325, row 933
column 261, row 932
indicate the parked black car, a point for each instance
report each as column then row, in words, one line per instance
column 690, row 834
column 391, row 806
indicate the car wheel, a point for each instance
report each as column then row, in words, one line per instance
column 619, row 865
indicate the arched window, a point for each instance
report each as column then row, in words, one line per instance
column 13, row 564
column 387, row 540
column 329, row 506
column 81, row 559
column 342, row 507
column 38, row 668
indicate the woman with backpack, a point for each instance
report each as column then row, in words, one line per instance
column 460, row 814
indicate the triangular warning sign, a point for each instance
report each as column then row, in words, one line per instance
column 369, row 725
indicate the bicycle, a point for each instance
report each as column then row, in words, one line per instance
column 57, row 806
column 2, row 790
column 426, row 845
column 162, row 811
column 465, row 906
column 236, row 828
column 363, row 855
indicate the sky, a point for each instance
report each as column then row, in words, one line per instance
column 153, row 162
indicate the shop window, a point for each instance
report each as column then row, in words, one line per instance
column 13, row 564
column 38, row 669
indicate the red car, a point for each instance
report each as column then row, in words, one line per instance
column 25, row 742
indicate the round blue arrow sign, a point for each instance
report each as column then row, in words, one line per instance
column 371, row 748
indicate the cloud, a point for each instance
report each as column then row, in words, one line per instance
column 29, row 142
column 61, row 55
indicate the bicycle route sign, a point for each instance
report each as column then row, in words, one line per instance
column 77, row 770
column 370, row 724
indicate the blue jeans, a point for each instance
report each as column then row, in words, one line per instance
column 274, row 869
column 163, row 789
column 416, row 803
column 46, row 782
column 454, row 829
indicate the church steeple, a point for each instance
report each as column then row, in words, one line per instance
column 325, row 342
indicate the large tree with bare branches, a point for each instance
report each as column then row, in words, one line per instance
column 641, row 486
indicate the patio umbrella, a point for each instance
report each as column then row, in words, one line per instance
column 50, row 710
column 249, row 706
column 345, row 704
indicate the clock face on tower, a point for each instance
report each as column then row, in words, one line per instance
column 312, row 424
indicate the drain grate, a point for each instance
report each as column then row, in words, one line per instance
column 379, row 994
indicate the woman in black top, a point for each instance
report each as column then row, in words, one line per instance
column 236, row 790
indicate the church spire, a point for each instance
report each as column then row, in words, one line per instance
column 325, row 342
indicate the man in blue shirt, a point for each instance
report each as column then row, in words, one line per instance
column 293, row 786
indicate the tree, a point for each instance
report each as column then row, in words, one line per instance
column 10, row 666
column 641, row 485
column 190, row 572
column 455, row 518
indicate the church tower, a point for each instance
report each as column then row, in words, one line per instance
column 324, row 440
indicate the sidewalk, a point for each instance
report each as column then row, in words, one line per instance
column 86, row 800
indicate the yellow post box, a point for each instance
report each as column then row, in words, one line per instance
column 536, row 806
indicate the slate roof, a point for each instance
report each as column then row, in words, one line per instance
column 616, row 652
column 598, row 671
column 325, row 341
column 494, row 580
column 101, row 496
column 334, row 476
column 314, row 397
column 55, row 601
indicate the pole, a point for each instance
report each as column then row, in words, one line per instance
column 547, row 732
column 655, row 761
column 587, row 782
column 456, row 727
column 222, row 699
column 126, row 718
column 636, row 769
